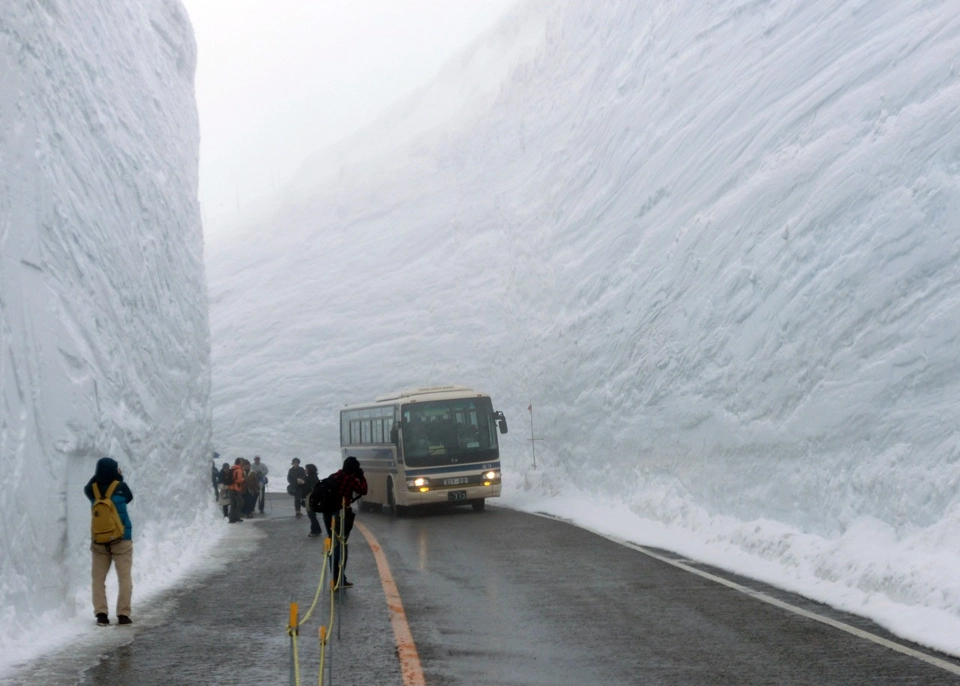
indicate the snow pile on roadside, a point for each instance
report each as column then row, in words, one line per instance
column 104, row 339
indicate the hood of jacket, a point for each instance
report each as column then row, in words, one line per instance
column 107, row 471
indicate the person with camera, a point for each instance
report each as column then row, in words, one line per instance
column 350, row 485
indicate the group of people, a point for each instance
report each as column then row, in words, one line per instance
column 241, row 488
column 348, row 484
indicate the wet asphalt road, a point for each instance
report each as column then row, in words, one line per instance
column 496, row 597
column 502, row 597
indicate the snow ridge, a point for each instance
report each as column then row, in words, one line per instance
column 714, row 243
column 104, row 337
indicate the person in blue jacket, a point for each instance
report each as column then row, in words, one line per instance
column 119, row 552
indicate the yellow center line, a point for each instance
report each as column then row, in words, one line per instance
column 406, row 648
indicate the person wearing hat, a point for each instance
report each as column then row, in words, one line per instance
column 296, row 476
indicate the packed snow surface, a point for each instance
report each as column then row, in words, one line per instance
column 714, row 245
column 104, row 339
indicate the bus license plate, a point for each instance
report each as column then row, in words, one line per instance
column 457, row 495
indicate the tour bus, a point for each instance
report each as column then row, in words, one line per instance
column 435, row 444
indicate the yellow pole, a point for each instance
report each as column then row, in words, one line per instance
column 292, row 629
column 294, row 609
column 323, row 644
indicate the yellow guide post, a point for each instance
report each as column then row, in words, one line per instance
column 293, row 616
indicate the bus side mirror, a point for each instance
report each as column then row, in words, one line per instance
column 394, row 434
column 501, row 421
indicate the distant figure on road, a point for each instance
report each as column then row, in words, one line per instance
column 350, row 480
column 215, row 475
column 261, row 471
column 236, row 490
column 251, row 489
column 309, row 481
column 295, row 478
column 224, row 479
column 107, row 483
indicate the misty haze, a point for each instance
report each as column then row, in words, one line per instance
column 706, row 254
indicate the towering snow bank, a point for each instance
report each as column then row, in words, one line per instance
column 103, row 320
column 714, row 243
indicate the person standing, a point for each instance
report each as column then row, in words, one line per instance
column 236, row 490
column 251, row 489
column 224, row 479
column 261, row 469
column 215, row 476
column 309, row 482
column 107, row 483
column 295, row 478
column 349, row 481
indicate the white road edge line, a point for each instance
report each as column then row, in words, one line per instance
column 760, row 595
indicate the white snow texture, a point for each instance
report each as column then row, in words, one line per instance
column 104, row 338
column 714, row 243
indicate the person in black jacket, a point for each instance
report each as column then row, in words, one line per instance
column 309, row 481
column 224, row 479
column 351, row 484
column 295, row 479
column 119, row 553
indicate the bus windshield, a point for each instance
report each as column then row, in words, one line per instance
column 449, row 432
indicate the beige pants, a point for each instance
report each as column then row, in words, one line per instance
column 120, row 553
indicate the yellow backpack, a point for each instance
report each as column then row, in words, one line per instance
column 105, row 523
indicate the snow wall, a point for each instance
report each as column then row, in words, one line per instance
column 104, row 338
column 715, row 244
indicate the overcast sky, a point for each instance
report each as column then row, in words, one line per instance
column 280, row 79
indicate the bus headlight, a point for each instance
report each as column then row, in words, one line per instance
column 491, row 477
column 420, row 482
